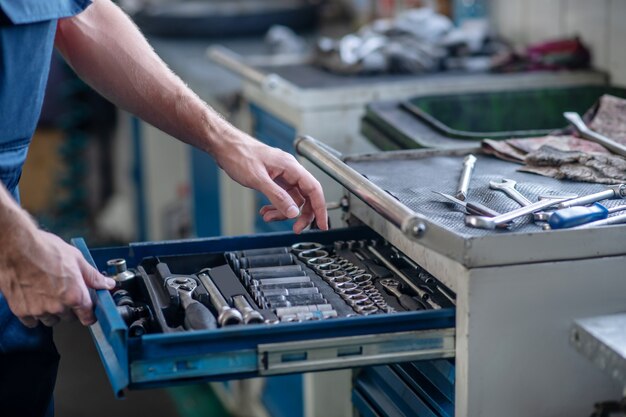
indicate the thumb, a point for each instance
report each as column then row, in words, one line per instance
column 280, row 198
column 93, row 278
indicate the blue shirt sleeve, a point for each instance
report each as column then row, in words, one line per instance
column 31, row 11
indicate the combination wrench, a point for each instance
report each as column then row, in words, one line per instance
column 493, row 222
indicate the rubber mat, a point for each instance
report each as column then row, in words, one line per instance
column 412, row 181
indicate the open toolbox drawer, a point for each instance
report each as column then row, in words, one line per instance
column 169, row 357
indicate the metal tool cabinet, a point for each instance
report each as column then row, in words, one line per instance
column 518, row 292
column 300, row 99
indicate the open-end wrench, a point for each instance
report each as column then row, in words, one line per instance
column 493, row 222
column 613, row 192
column 507, row 186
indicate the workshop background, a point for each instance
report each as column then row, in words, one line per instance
column 97, row 172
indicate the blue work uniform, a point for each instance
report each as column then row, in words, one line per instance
column 28, row 357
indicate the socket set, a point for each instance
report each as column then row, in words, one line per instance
column 301, row 282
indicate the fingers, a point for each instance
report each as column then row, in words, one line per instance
column 30, row 322
column 49, row 320
column 305, row 219
column 279, row 198
column 311, row 190
column 93, row 278
column 83, row 307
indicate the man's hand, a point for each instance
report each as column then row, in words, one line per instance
column 291, row 189
column 45, row 279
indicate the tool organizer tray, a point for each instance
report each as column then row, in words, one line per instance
column 166, row 352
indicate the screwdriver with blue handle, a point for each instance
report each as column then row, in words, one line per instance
column 577, row 215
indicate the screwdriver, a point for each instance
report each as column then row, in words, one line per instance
column 577, row 215
column 472, row 208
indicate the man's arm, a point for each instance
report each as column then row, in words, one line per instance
column 107, row 50
column 42, row 277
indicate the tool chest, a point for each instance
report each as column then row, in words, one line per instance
column 500, row 302
column 301, row 319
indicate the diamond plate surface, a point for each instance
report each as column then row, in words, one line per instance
column 412, row 181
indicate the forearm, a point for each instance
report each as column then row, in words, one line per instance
column 107, row 50
column 14, row 221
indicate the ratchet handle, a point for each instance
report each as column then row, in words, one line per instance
column 198, row 317
column 577, row 215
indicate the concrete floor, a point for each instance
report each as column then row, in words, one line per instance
column 83, row 388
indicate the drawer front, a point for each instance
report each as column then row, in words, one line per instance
column 169, row 355
column 409, row 389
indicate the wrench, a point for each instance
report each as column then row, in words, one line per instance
column 393, row 287
column 197, row 316
column 226, row 315
column 507, row 186
column 493, row 222
column 613, row 192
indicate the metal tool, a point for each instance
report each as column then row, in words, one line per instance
column 393, row 287
column 310, row 254
column 263, row 251
column 319, row 262
column 596, row 137
column 257, row 261
column 507, row 186
column 226, row 315
column 482, row 222
column 117, row 269
column 300, row 300
column 275, row 271
column 305, row 246
column 249, row 314
column 466, row 174
column 619, row 219
column 407, row 281
column 197, row 316
column 577, row 215
column 612, row 192
column 301, row 309
column 281, row 281
column 471, row 208
column 289, row 292
column 287, row 286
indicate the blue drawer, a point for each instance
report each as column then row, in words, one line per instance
column 234, row 352
column 405, row 390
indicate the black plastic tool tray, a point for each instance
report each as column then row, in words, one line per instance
column 244, row 351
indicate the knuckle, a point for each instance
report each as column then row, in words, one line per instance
column 73, row 297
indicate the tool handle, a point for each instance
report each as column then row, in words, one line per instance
column 198, row 317
column 466, row 175
column 409, row 303
column 577, row 215
column 480, row 210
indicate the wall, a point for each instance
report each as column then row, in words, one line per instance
column 600, row 23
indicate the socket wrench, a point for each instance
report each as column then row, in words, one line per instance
column 197, row 316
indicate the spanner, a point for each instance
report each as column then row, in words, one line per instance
column 613, row 192
column 507, row 186
column 493, row 222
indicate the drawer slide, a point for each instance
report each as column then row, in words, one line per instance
column 323, row 354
